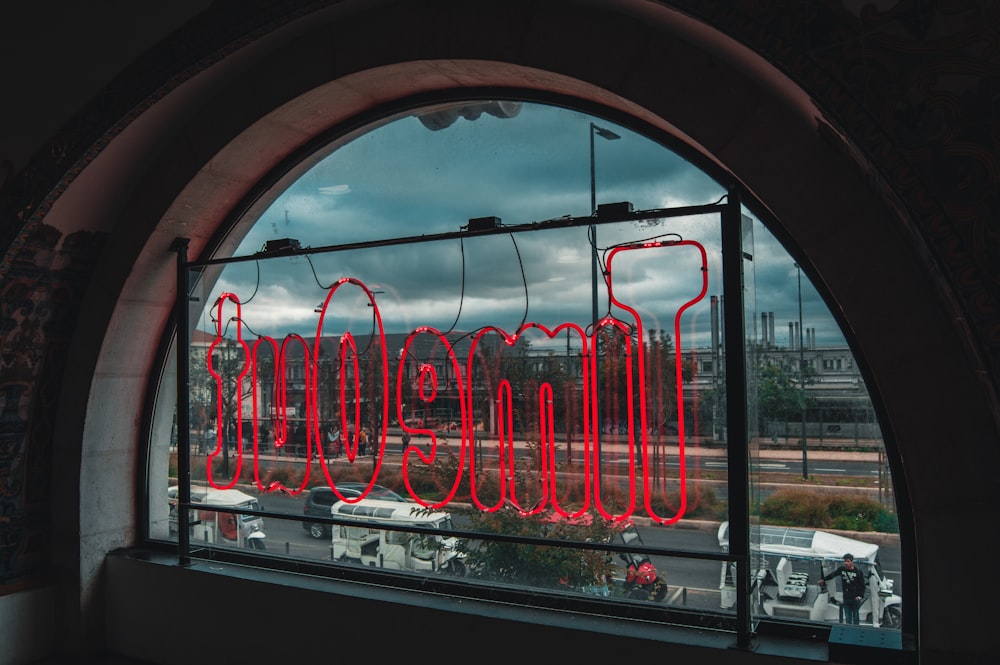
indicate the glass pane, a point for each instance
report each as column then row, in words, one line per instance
column 819, row 455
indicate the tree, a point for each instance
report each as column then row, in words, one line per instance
column 374, row 380
column 780, row 393
column 659, row 382
column 526, row 372
column 229, row 362
column 539, row 566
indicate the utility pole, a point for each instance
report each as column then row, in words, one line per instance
column 594, row 260
column 566, row 418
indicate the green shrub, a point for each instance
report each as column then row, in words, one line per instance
column 886, row 522
column 702, row 503
column 286, row 474
column 538, row 565
column 794, row 507
column 797, row 507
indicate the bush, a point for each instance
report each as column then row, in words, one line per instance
column 538, row 565
column 796, row 507
column 702, row 503
column 438, row 480
column 285, row 474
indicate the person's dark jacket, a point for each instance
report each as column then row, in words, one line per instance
column 852, row 582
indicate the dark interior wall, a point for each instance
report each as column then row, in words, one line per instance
column 876, row 164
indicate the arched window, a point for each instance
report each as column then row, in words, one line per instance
column 525, row 352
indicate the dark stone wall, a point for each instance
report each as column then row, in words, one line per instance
column 917, row 86
column 39, row 298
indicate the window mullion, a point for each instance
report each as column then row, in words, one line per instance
column 736, row 420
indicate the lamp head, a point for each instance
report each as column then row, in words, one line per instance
column 604, row 133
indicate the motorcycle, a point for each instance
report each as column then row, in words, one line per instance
column 642, row 582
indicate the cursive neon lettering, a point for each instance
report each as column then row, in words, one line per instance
column 427, row 388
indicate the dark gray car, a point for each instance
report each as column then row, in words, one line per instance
column 320, row 499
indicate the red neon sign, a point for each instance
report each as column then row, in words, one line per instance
column 427, row 386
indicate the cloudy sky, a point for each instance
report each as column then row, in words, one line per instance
column 404, row 179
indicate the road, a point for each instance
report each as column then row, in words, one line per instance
column 699, row 578
column 699, row 459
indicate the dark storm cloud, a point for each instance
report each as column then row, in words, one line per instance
column 403, row 179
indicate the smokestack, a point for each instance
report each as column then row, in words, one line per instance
column 791, row 335
column 715, row 322
column 770, row 327
column 763, row 330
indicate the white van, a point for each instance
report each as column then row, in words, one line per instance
column 789, row 562
column 400, row 546
column 221, row 527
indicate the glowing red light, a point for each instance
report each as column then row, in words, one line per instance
column 247, row 378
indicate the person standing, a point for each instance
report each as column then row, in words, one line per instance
column 333, row 441
column 362, row 441
column 208, row 441
column 852, row 584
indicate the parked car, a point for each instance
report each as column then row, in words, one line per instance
column 320, row 500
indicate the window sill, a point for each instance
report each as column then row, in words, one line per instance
column 285, row 614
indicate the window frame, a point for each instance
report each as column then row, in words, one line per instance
column 732, row 222
column 745, row 625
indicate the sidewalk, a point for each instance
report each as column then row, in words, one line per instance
column 613, row 447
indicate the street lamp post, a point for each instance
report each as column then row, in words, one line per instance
column 610, row 136
column 802, row 381
column 592, row 235
column 569, row 429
